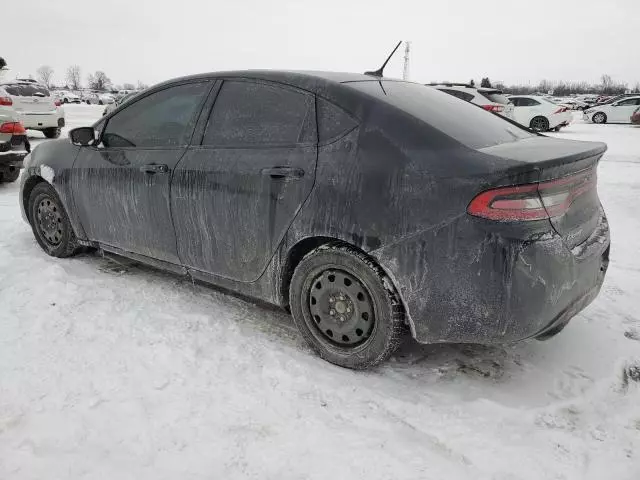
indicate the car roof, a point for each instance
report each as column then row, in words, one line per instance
column 305, row 79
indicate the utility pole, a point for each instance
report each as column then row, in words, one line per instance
column 405, row 72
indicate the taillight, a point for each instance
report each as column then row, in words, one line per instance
column 13, row 128
column 6, row 101
column 57, row 103
column 561, row 110
column 533, row 201
column 493, row 108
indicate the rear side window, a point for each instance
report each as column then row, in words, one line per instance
column 259, row 114
column 631, row 101
column 26, row 90
column 465, row 122
column 333, row 122
column 163, row 119
column 495, row 97
column 467, row 97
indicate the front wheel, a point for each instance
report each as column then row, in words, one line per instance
column 599, row 118
column 50, row 223
column 345, row 307
column 51, row 132
column 539, row 124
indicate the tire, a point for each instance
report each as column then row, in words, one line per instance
column 52, row 132
column 599, row 117
column 65, row 100
column 100, row 102
column 51, row 227
column 539, row 124
column 356, row 301
column 8, row 177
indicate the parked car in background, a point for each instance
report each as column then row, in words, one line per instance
column 369, row 207
column 38, row 109
column 490, row 99
column 66, row 96
column 90, row 98
column 539, row 113
column 618, row 111
column 635, row 118
column 570, row 103
column 14, row 145
column 112, row 106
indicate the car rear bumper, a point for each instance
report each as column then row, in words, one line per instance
column 13, row 152
column 491, row 289
column 39, row 121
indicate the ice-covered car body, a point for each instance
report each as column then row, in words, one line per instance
column 487, row 232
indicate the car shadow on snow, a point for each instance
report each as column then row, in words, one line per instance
column 478, row 361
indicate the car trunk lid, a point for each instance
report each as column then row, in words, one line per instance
column 566, row 172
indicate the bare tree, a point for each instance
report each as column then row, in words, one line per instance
column 142, row 86
column 485, row 82
column 636, row 89
column 128, row 86
column 45, row 74
column 73, row 77
column 99, row 81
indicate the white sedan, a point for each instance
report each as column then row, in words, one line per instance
column 619, row 111
column 539, row 113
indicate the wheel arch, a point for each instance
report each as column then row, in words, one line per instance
column 28, row 187
column 299, row 250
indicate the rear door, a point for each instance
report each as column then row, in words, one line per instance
column 121, row 187
column 234, row 195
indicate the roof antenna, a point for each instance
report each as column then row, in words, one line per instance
column 378, row 73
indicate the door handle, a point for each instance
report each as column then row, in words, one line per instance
column 278, row 173
column 154, row 168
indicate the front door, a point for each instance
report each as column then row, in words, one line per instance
column 622, row 110
column 121, row 187
column 234, row 195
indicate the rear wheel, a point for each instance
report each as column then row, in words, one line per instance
column 539, row 124
column 599, row 117
column 345, row 307
column 51, row 132
column 50, row 223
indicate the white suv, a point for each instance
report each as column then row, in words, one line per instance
column 490, row 99
column 38, row 110
column 539, row 113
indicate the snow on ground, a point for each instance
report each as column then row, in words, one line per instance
column 113, row 370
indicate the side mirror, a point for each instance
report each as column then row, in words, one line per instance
column 82, row 136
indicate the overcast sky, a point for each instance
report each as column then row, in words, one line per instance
column 152, row 40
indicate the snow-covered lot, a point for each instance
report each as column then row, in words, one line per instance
column 111, row 370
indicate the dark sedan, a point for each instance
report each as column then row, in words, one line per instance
column 365, row 205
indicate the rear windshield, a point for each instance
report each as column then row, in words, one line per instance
column 463, row 121
column 495, row 97
column 26, row 90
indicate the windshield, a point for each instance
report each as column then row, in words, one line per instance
column 26, row 90
column 463, row 121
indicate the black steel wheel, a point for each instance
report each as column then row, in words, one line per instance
column 342, row 304
column 539, row 124
column 341, row 307
column 50, row 223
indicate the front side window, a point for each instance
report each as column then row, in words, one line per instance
column 163, row 119
column 630, row 101
column 258, row 114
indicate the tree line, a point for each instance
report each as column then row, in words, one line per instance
column 73, row 80
column 606, row 86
